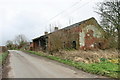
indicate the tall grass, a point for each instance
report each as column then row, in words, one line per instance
column 3, row 57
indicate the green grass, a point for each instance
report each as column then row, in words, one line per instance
column 3, row 57
column 102, row 68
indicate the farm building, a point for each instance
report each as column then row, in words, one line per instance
column 85, row 35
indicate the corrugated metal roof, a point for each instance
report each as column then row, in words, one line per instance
column 68, row 27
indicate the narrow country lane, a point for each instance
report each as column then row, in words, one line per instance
column 24, row 65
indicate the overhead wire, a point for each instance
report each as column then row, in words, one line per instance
column 65, row 10
column 73, row 11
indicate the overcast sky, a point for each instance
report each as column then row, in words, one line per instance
column 33, row 17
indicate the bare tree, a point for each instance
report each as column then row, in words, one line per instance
column 9, row 44
column 109, row 10
column 20, row 40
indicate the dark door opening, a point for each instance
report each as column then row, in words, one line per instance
column 74, row 44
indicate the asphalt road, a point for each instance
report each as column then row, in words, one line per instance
column 24, row 65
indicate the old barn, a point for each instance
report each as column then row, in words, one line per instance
column 85, row 35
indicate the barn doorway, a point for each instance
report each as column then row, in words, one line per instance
column 74, row 44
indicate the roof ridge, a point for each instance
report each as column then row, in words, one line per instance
column 67, row 27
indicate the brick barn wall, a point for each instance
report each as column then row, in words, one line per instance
column 91, row 36
column 36, row 46
column 63, row 39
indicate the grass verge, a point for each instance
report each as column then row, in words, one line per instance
column 104, row 68
column 3, row 57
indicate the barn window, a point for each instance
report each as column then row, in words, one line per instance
column 74, row 44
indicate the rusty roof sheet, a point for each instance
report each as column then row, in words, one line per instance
column 68, row 27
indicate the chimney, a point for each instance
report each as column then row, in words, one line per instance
column 56, row 28
column 46, row 33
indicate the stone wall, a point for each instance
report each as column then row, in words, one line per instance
column 3, row 49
